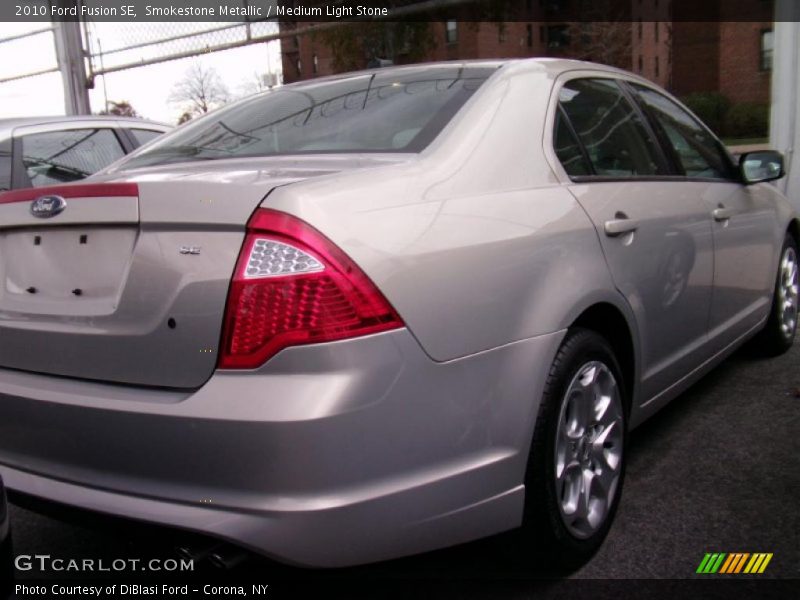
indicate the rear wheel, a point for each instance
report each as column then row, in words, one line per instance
column 779, row 332
column 577, row 461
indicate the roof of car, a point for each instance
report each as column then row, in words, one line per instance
column 552, row 66
column 11, row 123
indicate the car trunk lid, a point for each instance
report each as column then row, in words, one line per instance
column 128, row 282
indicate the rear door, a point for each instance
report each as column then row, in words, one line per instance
column 747, row 237
column 655, row 233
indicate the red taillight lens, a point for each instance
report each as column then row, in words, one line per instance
column 294, row 286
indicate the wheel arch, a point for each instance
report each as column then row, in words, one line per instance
column 610, row 321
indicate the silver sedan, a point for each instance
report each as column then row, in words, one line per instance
column 379, row 313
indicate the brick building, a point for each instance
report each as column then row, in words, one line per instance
column 731, row 57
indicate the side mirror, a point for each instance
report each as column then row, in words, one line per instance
column 761, row 166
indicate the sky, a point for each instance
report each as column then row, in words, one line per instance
column 146, row 88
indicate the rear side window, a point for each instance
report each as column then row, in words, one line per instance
column 70, row 155
column 382, row 111
column 695, row 149
column 568, row 150
column 5, row 164
column 142, row 136
column 618, row 143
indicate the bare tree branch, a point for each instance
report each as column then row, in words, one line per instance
column 200, row 90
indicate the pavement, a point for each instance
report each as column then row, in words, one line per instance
column 715, row 471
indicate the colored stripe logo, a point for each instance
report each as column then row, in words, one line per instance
column 734, row 563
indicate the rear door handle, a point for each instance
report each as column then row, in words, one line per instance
column 722, row 214
column 620, row 226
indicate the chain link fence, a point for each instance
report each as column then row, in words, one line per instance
column 115, row 47
column 28, row 40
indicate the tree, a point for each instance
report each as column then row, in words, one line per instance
column 606, row 42
column 603, row 34
column 185, row 117
column 200, row 90
column 122, row 108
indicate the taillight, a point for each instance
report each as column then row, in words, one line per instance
column 294, row 286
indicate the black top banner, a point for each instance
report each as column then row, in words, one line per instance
column 134, row 11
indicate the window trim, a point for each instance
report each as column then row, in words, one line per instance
column 561, row 113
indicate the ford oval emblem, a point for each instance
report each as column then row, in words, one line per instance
column 45, row 207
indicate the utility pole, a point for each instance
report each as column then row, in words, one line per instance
column 69, row 51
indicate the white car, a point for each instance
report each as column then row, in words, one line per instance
column 39, row 151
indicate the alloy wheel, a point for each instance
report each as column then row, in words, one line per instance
column 589, row 452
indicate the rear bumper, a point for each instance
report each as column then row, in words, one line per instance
column 329, row 455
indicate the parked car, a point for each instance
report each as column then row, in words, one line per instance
column 384, row 312
column 39, row 151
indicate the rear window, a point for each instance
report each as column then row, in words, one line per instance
column 68, row 155
column 381, row 111
column 142, row 136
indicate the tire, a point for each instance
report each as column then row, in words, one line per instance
column 565, row 541
column 779, row 332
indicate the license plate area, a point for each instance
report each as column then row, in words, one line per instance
column 76, row 271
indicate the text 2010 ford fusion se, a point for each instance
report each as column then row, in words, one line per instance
column 385, row 312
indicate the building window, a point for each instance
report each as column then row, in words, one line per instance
column 314, row 64
column 529, row 34
column 640, row 28
column 656, row 28
column 658, row 71
column 502, row 30
column 765, row 56
column 557, row 36
column 299, row 66
column 451, row 32
column 542, row 34
column 641, row 64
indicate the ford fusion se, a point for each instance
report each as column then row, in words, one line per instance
column 379, row 313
